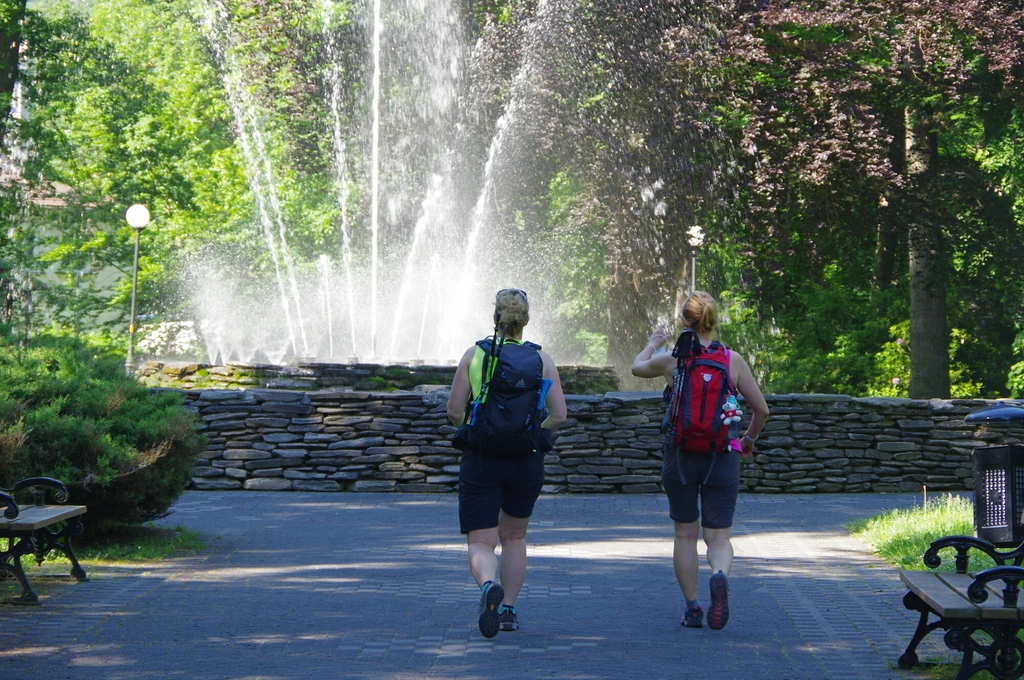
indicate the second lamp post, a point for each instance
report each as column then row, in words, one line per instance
column 137, row 217
column 696, row 239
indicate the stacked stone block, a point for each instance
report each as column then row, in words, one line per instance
column 834, row 443
column 316, row 376
column 400, row 441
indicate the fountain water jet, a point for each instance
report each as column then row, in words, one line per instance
column 244, row 119
column 325, row 296
column 375, row 176
column 522, row 86
column 435, row 268
column 340, row 164
column 422, row 224
column 282, row 231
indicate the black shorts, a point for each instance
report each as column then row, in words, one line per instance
column 488, row 484
column 715, row 479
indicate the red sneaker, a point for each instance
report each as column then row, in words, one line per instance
column 718, row 615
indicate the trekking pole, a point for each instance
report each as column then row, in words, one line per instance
column 492, row 357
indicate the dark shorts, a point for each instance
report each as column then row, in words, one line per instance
column 714, row 479
column 488, row 484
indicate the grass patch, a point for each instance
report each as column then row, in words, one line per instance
column 902, row 536
column 126, row 544
column 145, row 543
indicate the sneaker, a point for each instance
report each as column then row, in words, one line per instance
column 490, row 598
column 719, row 614
column 693, row 617
column 508, row 619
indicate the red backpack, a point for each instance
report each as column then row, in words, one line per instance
column 699, row 391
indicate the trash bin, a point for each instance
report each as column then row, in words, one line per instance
column 999, row 481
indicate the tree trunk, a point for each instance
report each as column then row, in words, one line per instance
column 12, row 13
column 885, row 244
column 929, row 352
column 886, row 241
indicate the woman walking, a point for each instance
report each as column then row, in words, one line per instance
column 701, row 461
column 500, row 478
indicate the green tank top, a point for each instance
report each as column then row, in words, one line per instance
column 476, row 368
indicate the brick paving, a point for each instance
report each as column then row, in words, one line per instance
column 303, row 585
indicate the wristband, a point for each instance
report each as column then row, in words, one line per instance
column 752, row 440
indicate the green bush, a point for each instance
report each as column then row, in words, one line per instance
column 68, row 411
column 1016, row 378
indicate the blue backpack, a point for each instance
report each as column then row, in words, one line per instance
column 505, row 418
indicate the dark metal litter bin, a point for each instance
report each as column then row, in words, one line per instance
column 999, row 481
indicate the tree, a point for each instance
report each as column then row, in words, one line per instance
column 847, row 113
column 12, row 13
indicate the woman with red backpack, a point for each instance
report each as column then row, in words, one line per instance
column 702, row 451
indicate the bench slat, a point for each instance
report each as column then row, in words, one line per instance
column 946, row 593
column 33, row 517
column 992, row 608
column 945, row 600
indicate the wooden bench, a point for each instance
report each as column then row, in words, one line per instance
column 27, row 528
column 979, row 612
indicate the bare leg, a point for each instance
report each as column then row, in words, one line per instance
column 684, row 557
column 720, row 551
column 482, row 560
column 512, row 531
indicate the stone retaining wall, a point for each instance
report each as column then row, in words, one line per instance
column 362, row 441
column 317, row 376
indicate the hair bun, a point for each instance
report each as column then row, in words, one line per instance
column 700, row 312
column 511, row 310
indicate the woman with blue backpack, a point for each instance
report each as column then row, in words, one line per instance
column 703, row 447
column 507, row 401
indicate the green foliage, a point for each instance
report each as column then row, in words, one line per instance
column 126, row 107
column 68, row 411
column 1016, row 379
column 595, row 346
column 375, row 383
column 575, row 291
column 892, row 364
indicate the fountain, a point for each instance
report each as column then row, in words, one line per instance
column 416, row 290
column 261, row 173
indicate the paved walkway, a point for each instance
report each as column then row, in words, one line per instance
column 296, row 585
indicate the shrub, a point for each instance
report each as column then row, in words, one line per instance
column 68, row 411
column 1016, row 378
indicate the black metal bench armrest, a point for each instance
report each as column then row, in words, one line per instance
column 1010, row 575
column 37, row 487
column 963, row 545
column 10, row 507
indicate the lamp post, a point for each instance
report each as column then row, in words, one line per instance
column 696, row 235
column 78, row 285
column 137, row 217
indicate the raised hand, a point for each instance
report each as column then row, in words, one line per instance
column 659, row 337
